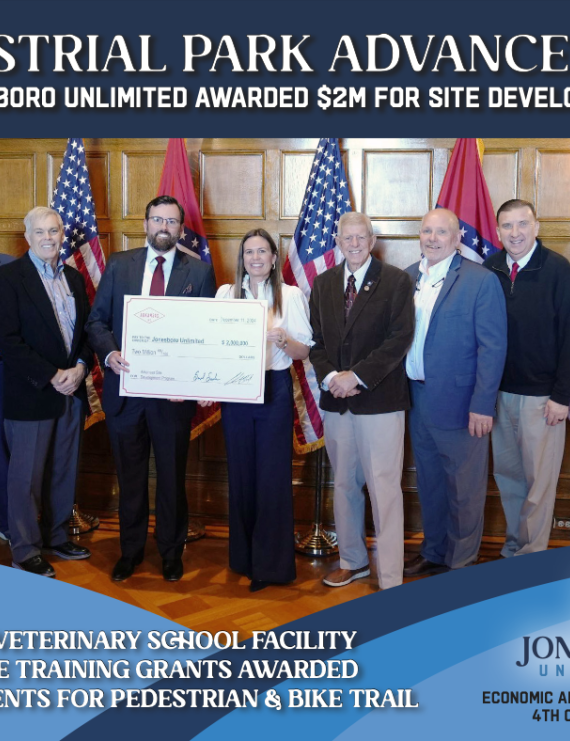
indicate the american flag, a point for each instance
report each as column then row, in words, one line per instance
column 73, row 200
column 464, row 191
column 312, row 251
column 176, row 181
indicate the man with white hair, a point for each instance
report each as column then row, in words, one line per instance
column 43, row 310
column 363, row 323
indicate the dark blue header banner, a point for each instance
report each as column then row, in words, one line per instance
column 294, row 69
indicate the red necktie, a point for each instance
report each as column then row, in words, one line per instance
column 349, row 295
column 514, row 271
column 157, row 282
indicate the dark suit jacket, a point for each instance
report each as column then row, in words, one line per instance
column 372, row 343
column 4, row 260
column 466, row 345
column 124, row 276
column 31, row 342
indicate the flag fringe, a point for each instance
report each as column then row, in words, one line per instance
column 209, row 422
column 303, row 449
column 93, row 419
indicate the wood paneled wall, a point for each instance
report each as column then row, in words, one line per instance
column 241, row 183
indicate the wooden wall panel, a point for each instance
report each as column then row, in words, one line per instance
column 233, row 186
column 295, row 171
column 141, row 178
column 501, row 170
column 224, row 256
column 553, row 185
column 13, row 243
column 245, row 183
column 558, row 244
column 397, row 184
column 132, row 241
column 17, row 184
column 399, row 252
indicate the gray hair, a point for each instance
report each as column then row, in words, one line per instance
column 351, row 217
column 39, row 213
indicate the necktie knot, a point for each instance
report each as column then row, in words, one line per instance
column 160, row 259
column 514, row 271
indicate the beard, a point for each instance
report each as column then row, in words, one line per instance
column 162, row 241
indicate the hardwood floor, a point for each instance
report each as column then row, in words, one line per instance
column 210, row 596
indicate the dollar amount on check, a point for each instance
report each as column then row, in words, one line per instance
column 194, row 348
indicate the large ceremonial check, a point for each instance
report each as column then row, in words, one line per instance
column 194, row 348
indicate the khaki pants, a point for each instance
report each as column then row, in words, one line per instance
column 527, row 456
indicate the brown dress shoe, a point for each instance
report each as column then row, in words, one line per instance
column 420, row 566
column 342, row 577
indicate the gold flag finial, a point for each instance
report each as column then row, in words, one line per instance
column 480, row 149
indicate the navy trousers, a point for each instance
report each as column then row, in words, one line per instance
column 167, row 426
column 452, row 472
column 259, row 444
column 4, row 458
column 44, row 457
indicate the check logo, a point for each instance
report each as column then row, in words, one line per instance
column 149, row 315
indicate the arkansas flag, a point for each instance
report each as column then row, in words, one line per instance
column 464, row 191
column 176, row 181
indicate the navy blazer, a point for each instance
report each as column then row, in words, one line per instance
column 466, row 345
column 123, row 276
column 32, row 344
column 4, row 260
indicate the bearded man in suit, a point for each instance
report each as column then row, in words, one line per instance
column 362, row 314
column 135, row 423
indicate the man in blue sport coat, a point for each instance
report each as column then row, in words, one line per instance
column 455, row 366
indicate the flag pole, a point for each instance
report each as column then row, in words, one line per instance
column 317, row 541
column 312, row 251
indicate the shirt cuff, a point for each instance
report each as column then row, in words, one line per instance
column 360, row 381
column 327, row 379
column 332, row 374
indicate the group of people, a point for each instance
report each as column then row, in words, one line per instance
column 466, row 348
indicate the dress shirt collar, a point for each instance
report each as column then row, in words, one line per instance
column 44, row 267
column 437, row 272
column 358, row 274
column 523, row 261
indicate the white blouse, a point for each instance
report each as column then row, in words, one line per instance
column 294, row 319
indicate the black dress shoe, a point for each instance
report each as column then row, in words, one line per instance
column 172, row 569
column 69, row 551
column 36, row 565
column 420, row 566
column 124, row 568
column 257, row 585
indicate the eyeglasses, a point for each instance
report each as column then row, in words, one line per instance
column 159, row 221
column 348, row 240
